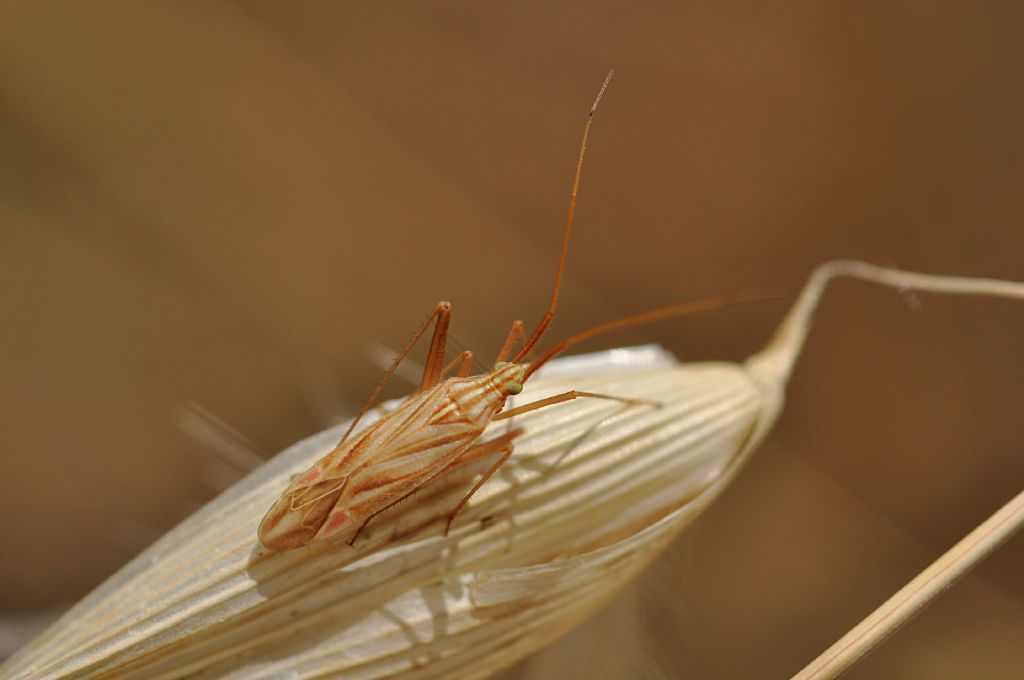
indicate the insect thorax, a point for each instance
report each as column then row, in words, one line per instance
column 482, row 396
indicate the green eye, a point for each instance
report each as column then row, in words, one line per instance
column 514, row 388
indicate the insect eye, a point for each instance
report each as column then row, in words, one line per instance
column 514, row 388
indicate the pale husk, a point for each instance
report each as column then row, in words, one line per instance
column 596, row 489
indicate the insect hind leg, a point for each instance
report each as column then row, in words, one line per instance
column 470, row 455
column 477, row 452
column 433, row 366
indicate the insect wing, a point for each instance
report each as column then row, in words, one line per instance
column 303, row 508
column 363, row 475
column 411, row 462
column 306, row 505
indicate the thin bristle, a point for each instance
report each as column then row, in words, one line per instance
column 604, row 86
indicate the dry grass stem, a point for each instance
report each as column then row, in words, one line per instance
column 933, row 581
column 917, row 594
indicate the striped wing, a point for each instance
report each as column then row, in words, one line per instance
column 362, row 476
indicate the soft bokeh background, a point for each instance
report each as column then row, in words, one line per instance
column 223, row 205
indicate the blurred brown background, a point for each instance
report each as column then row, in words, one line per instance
column 225, row 204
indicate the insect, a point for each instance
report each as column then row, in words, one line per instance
column 436, row 429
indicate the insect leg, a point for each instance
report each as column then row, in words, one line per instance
column 435, row 358
column 393, row 503
column 511, row 339
column 569, row 396
column 470, row 455
column 465, row 362
column 684, row 309
column 477, row 452
column 435, row 353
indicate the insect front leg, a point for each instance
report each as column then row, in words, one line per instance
column 477, row 452
column 465, row 363
column 514, row 334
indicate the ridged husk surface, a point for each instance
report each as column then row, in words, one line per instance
column 594, row 491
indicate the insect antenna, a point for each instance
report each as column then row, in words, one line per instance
column 550, row 314
column 681, row 309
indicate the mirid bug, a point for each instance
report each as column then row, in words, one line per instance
column 436, row 430
column 431, row 432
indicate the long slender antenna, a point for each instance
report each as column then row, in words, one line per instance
column 550, row 314
column 682, row 309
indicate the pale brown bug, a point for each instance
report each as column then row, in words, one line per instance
column 435, row 430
